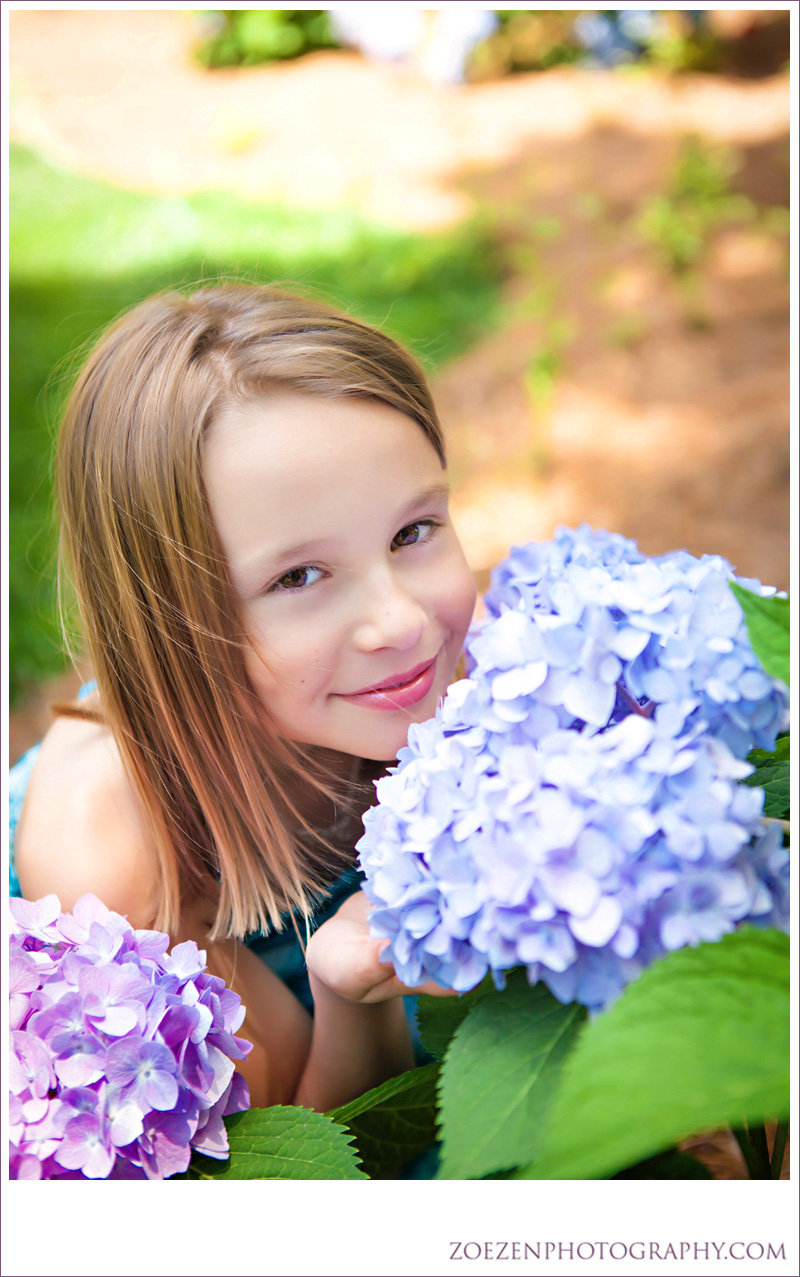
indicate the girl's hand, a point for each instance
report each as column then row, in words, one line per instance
column 344, row 957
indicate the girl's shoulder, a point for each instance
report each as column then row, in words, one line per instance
column 80, row 829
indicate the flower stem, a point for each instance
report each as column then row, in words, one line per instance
column 740, row 1135
column 646, row 711
column 753, row 1143
column 778, row 1149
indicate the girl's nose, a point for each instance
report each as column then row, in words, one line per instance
column 392, row 617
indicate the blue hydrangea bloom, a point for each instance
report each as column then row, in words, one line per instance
column 671, row 622
column 122, row 1054
column 575, row 806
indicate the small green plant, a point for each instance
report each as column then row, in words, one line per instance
column 541, row 377
column 546, row 363
column 699, row 199
column 590, row 206
column 548, row 229
column 627, row 329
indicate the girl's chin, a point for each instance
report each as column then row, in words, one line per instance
column 340, row 761
column 384, row 747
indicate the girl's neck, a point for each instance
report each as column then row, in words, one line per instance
column 350, row 780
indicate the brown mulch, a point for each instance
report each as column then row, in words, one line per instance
column 720, row 1153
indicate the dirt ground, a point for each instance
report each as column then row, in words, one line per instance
column 668, row 417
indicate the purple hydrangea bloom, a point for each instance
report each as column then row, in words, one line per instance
column 575, row 806
column 122, row 1054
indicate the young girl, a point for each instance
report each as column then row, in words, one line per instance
column 254, row 512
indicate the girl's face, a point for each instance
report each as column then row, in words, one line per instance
column 332, row 514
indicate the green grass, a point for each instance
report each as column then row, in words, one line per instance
column 81, row 251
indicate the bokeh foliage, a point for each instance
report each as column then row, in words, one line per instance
column 82, row 250
column 247, row 37
column 523, row 39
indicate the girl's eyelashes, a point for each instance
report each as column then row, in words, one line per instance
column 295, row 579
column 414, row 533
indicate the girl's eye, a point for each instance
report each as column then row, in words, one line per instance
column 297, row 579
column 414, row 533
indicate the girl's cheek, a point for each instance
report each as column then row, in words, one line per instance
column 280, row 651
column 456, row 592
column 464, row 586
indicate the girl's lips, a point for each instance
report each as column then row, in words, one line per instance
column 399, row 697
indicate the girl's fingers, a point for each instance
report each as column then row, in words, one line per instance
column 431, row 989
column 350, row 961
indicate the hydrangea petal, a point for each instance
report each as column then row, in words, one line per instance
column 599, row 927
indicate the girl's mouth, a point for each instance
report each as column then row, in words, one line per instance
column 399, row 691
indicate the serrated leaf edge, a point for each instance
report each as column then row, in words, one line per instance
column 292, row 1112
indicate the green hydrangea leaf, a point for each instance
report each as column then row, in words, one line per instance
column 499, row 1077
column 282, row 1143
column 772, row 774
column 699, row 1041
column 438, row 1018
column 767, row 623
column 394, row 1122
column 410, row 1082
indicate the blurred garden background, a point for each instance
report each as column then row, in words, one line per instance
column 578, row 219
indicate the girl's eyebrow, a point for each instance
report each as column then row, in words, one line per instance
column 436, row 492
column 267, row 564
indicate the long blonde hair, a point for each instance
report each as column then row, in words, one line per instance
column 164, row 626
